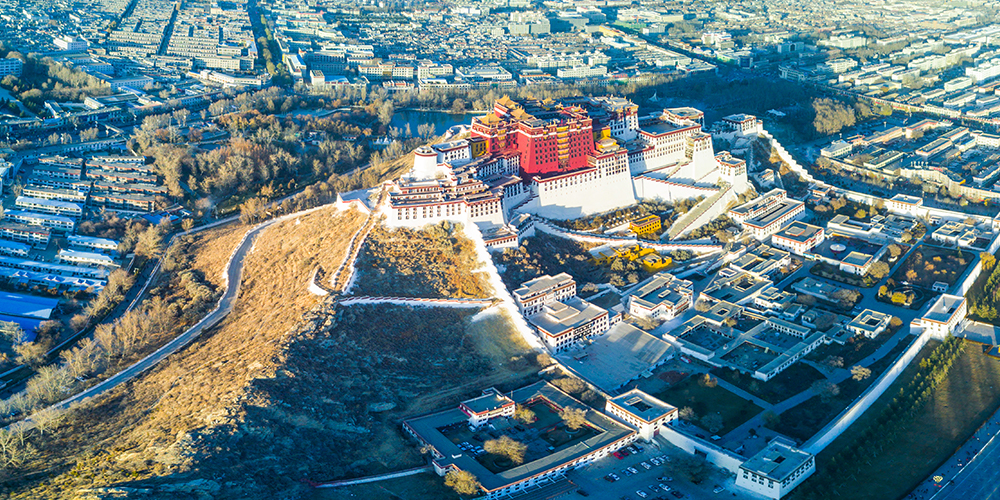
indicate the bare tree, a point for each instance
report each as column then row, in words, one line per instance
column 83, row 360
column 49, row 384
column 860, row 373
column 463, row 482
column 507, row 447
column 575, row 418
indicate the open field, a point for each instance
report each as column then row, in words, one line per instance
column 958, row 406
column 704, row 400
column 436, row 261
column 168, row 421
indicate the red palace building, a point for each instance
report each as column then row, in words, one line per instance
column 554, row 139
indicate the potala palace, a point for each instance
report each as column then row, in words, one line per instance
column 568, row 158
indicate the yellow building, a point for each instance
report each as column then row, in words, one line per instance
column 650, row 259
column 646, row 226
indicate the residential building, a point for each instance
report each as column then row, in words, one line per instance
column 55, row 222
column 66, row 208
column 92, row 259
column 93, row 243
column 35, row 236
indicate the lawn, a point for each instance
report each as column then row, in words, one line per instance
column 959, row 405
column 786, row 384
column 703, row 400
column 928, row 264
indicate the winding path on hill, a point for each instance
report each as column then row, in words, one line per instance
column 232, row 275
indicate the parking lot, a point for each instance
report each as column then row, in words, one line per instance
column 593, row 479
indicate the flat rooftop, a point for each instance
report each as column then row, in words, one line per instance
column 779, row 211
column 489, row 401
column 777, row 461
column 643, row 405
column 799, row 231
column 905, row 198
column 663, row 288
column 570, row 313
column 944, row 308
column 540, row 284
column 869, row 320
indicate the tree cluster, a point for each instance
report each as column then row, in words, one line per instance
column 891, row 425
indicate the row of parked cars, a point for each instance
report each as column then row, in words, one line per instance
column 473, row 449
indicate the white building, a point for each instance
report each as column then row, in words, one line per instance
column 662, row 297
column 798, row 237
column 776, row 470
column 491, row 404
column 906, row 204
column 641, row 411
column 946, row 316
column 869, row 323
column 68, row 42
column 533, row 295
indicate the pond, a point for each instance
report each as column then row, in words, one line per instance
column 442, row 120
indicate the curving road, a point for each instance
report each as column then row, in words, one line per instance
column 233, row 275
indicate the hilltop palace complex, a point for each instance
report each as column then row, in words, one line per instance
column 568, row 158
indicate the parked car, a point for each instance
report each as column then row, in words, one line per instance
column 646, row 466
column 618, row 455
column 677, row 494
column 632, row 470
column 665, row 487
column 641, row 493
column 718, row 489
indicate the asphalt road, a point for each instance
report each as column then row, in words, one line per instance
column 979, row 480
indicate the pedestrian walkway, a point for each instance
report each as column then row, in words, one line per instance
column 372, row 479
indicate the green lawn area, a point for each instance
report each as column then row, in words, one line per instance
column 704, row 400
column 959, row 405
column 928, row 264
column 426, row 486
column 786, row 384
